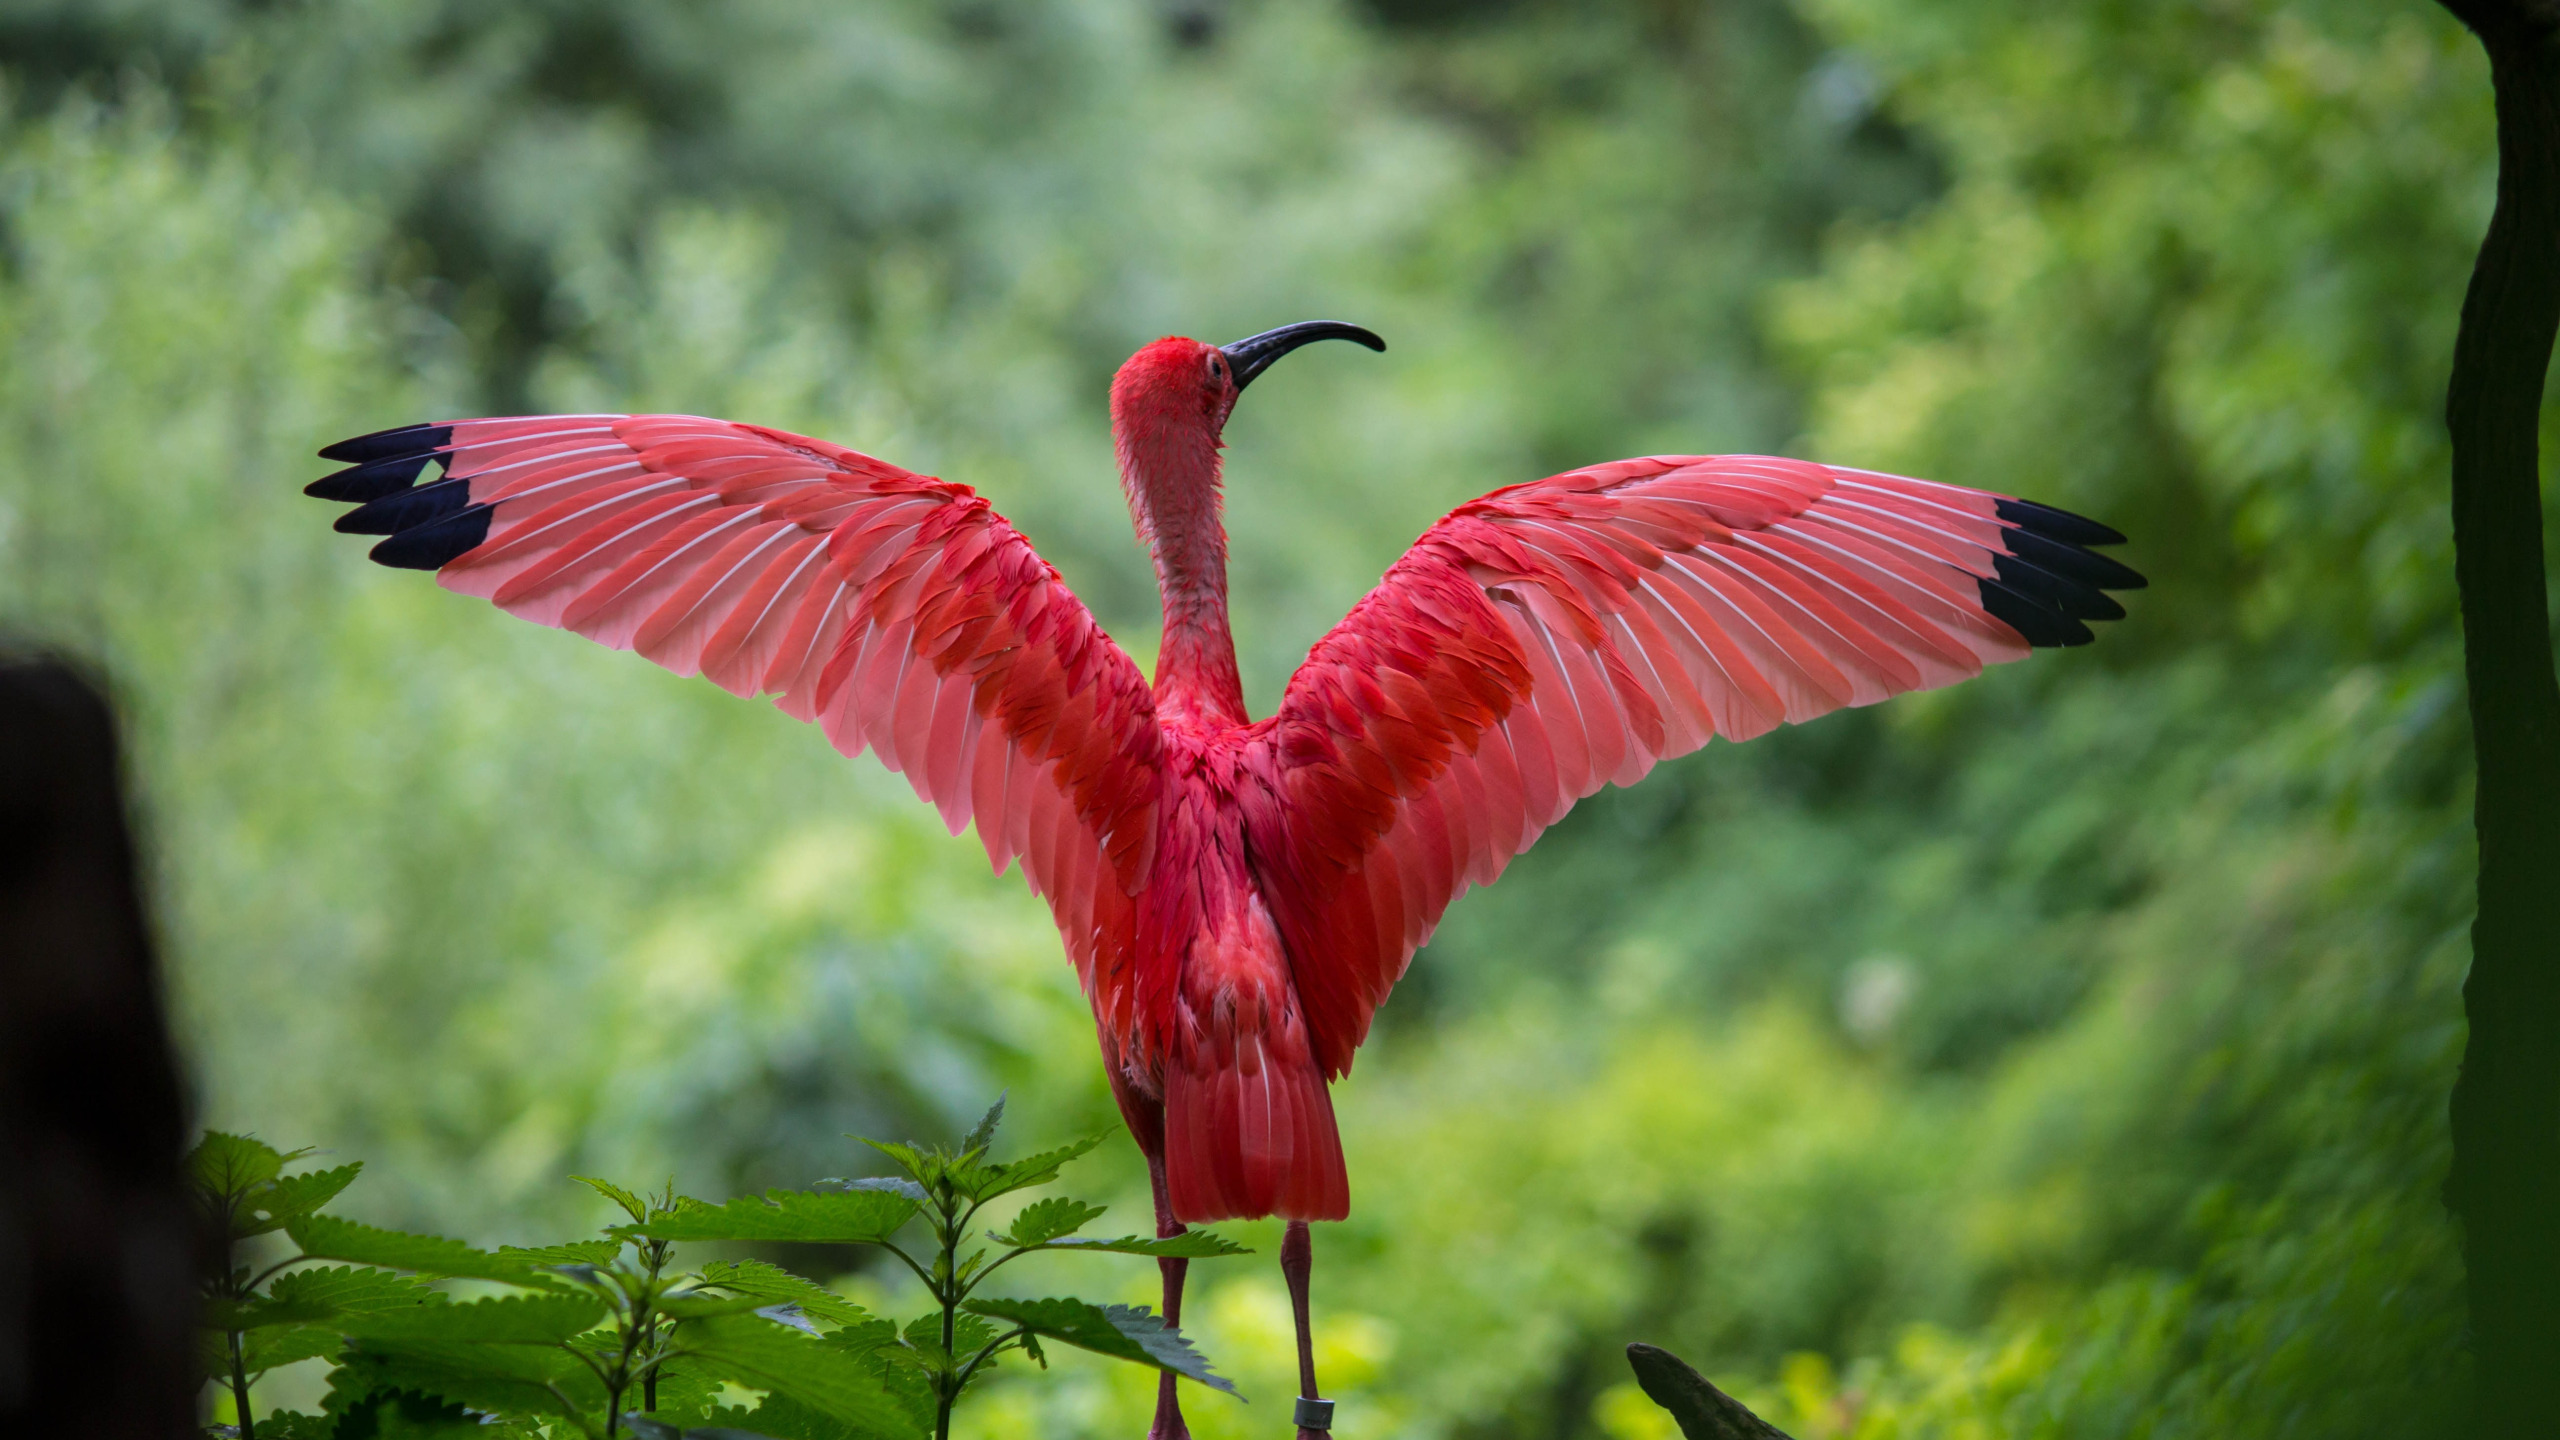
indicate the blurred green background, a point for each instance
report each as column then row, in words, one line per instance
column 2063, row 1054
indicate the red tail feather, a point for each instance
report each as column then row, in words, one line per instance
column 1241, row 1146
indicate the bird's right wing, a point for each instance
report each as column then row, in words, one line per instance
column 1553, row 637
column 898, row 611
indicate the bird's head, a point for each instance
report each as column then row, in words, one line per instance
column 1170, row 402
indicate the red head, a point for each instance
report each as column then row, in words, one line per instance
column 1169, row 404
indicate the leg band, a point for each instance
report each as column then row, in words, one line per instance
column 1314, row 1414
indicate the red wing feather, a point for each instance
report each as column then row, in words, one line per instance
column 896, row 609
column 1574, row 631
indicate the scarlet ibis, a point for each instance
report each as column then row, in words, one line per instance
column 1237, row 895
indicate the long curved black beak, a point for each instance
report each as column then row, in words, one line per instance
column 1253, row 354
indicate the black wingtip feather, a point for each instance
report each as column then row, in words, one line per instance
column 2056, row 524
column 406, row 509
column 2100, row 572
column 2047, row 584
column 2038, row 625
column 431, row 546
column 398, row 442
column 372, row 480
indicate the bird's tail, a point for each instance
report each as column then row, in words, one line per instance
column 1251, row 1139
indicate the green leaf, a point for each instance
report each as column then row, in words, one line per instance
column 919, row 1165
column 510, row 1320
column 844, row 1217
column 227, row 1164
column 644, row 1428
column 270, row 1206
column 786, row 1419
column 575, row 1252
column 293, row 1425
column 695, row 1306
column 983, row 1133
column 1042, row 1221
column 326, row 1237
column 1702, row 1411
column 762, row 1355
column 267, row 1348
column 924, row 1339
column 632, row 1205
column 1189, row 1245
column 773, row 1285
column 323, row 1296
column 515, row 1382
column 1119, row 1331
column 985, row 1182
column 893, row 1184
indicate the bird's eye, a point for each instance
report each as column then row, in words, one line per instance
column 1217, row 367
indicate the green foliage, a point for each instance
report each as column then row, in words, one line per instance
column 1119, row 1331
column 600, row 1339
column 856, row 1217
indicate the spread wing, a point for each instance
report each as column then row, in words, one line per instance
column 898, row 611
column 1554, row 637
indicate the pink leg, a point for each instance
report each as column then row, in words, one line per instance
column 1297, row 1257
column 1168, row 1424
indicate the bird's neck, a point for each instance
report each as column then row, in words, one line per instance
column 1171, row 473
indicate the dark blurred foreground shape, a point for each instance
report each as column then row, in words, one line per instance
column 2506, row 1106
column 1702, row 1411
column 97, row 1244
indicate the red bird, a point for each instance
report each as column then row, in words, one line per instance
column 1237, row 895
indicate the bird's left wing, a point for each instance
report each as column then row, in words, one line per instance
column 1553, row 637
column 898, row 611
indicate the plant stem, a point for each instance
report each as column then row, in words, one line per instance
column 2505, row 1181
column 240, row 1391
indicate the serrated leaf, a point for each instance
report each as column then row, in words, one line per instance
column 514, row 1382
column 983, row 1134
column 1120, row 1331
column 785, row 1419
column 1189, row 1245
column 776, row 1286
column 294, row 1425
column 761, row 1355
column 985, row 1182
column 266, row 1349
column 893, row 1184
column 1042, row 1221
column 228, row 1164
column 270, row 1206
column 919, row 1165
column 644, row 1428
column 510, row 1320
column 700, row 1307
column 842, row 1217
column 326, row 1237
column 574, row 1252
column 789, row 1314
column 632, row 1205
column 322, row 1296
column 969, row 1334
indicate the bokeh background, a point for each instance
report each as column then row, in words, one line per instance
column 2063, row 1054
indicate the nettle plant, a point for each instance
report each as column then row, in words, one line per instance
column 603, row 1338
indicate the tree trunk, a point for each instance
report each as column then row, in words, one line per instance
column 98, row 1247
column 2505, row 1184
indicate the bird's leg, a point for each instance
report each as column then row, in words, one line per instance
column 1297, row 1257
column 1168, row 1424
